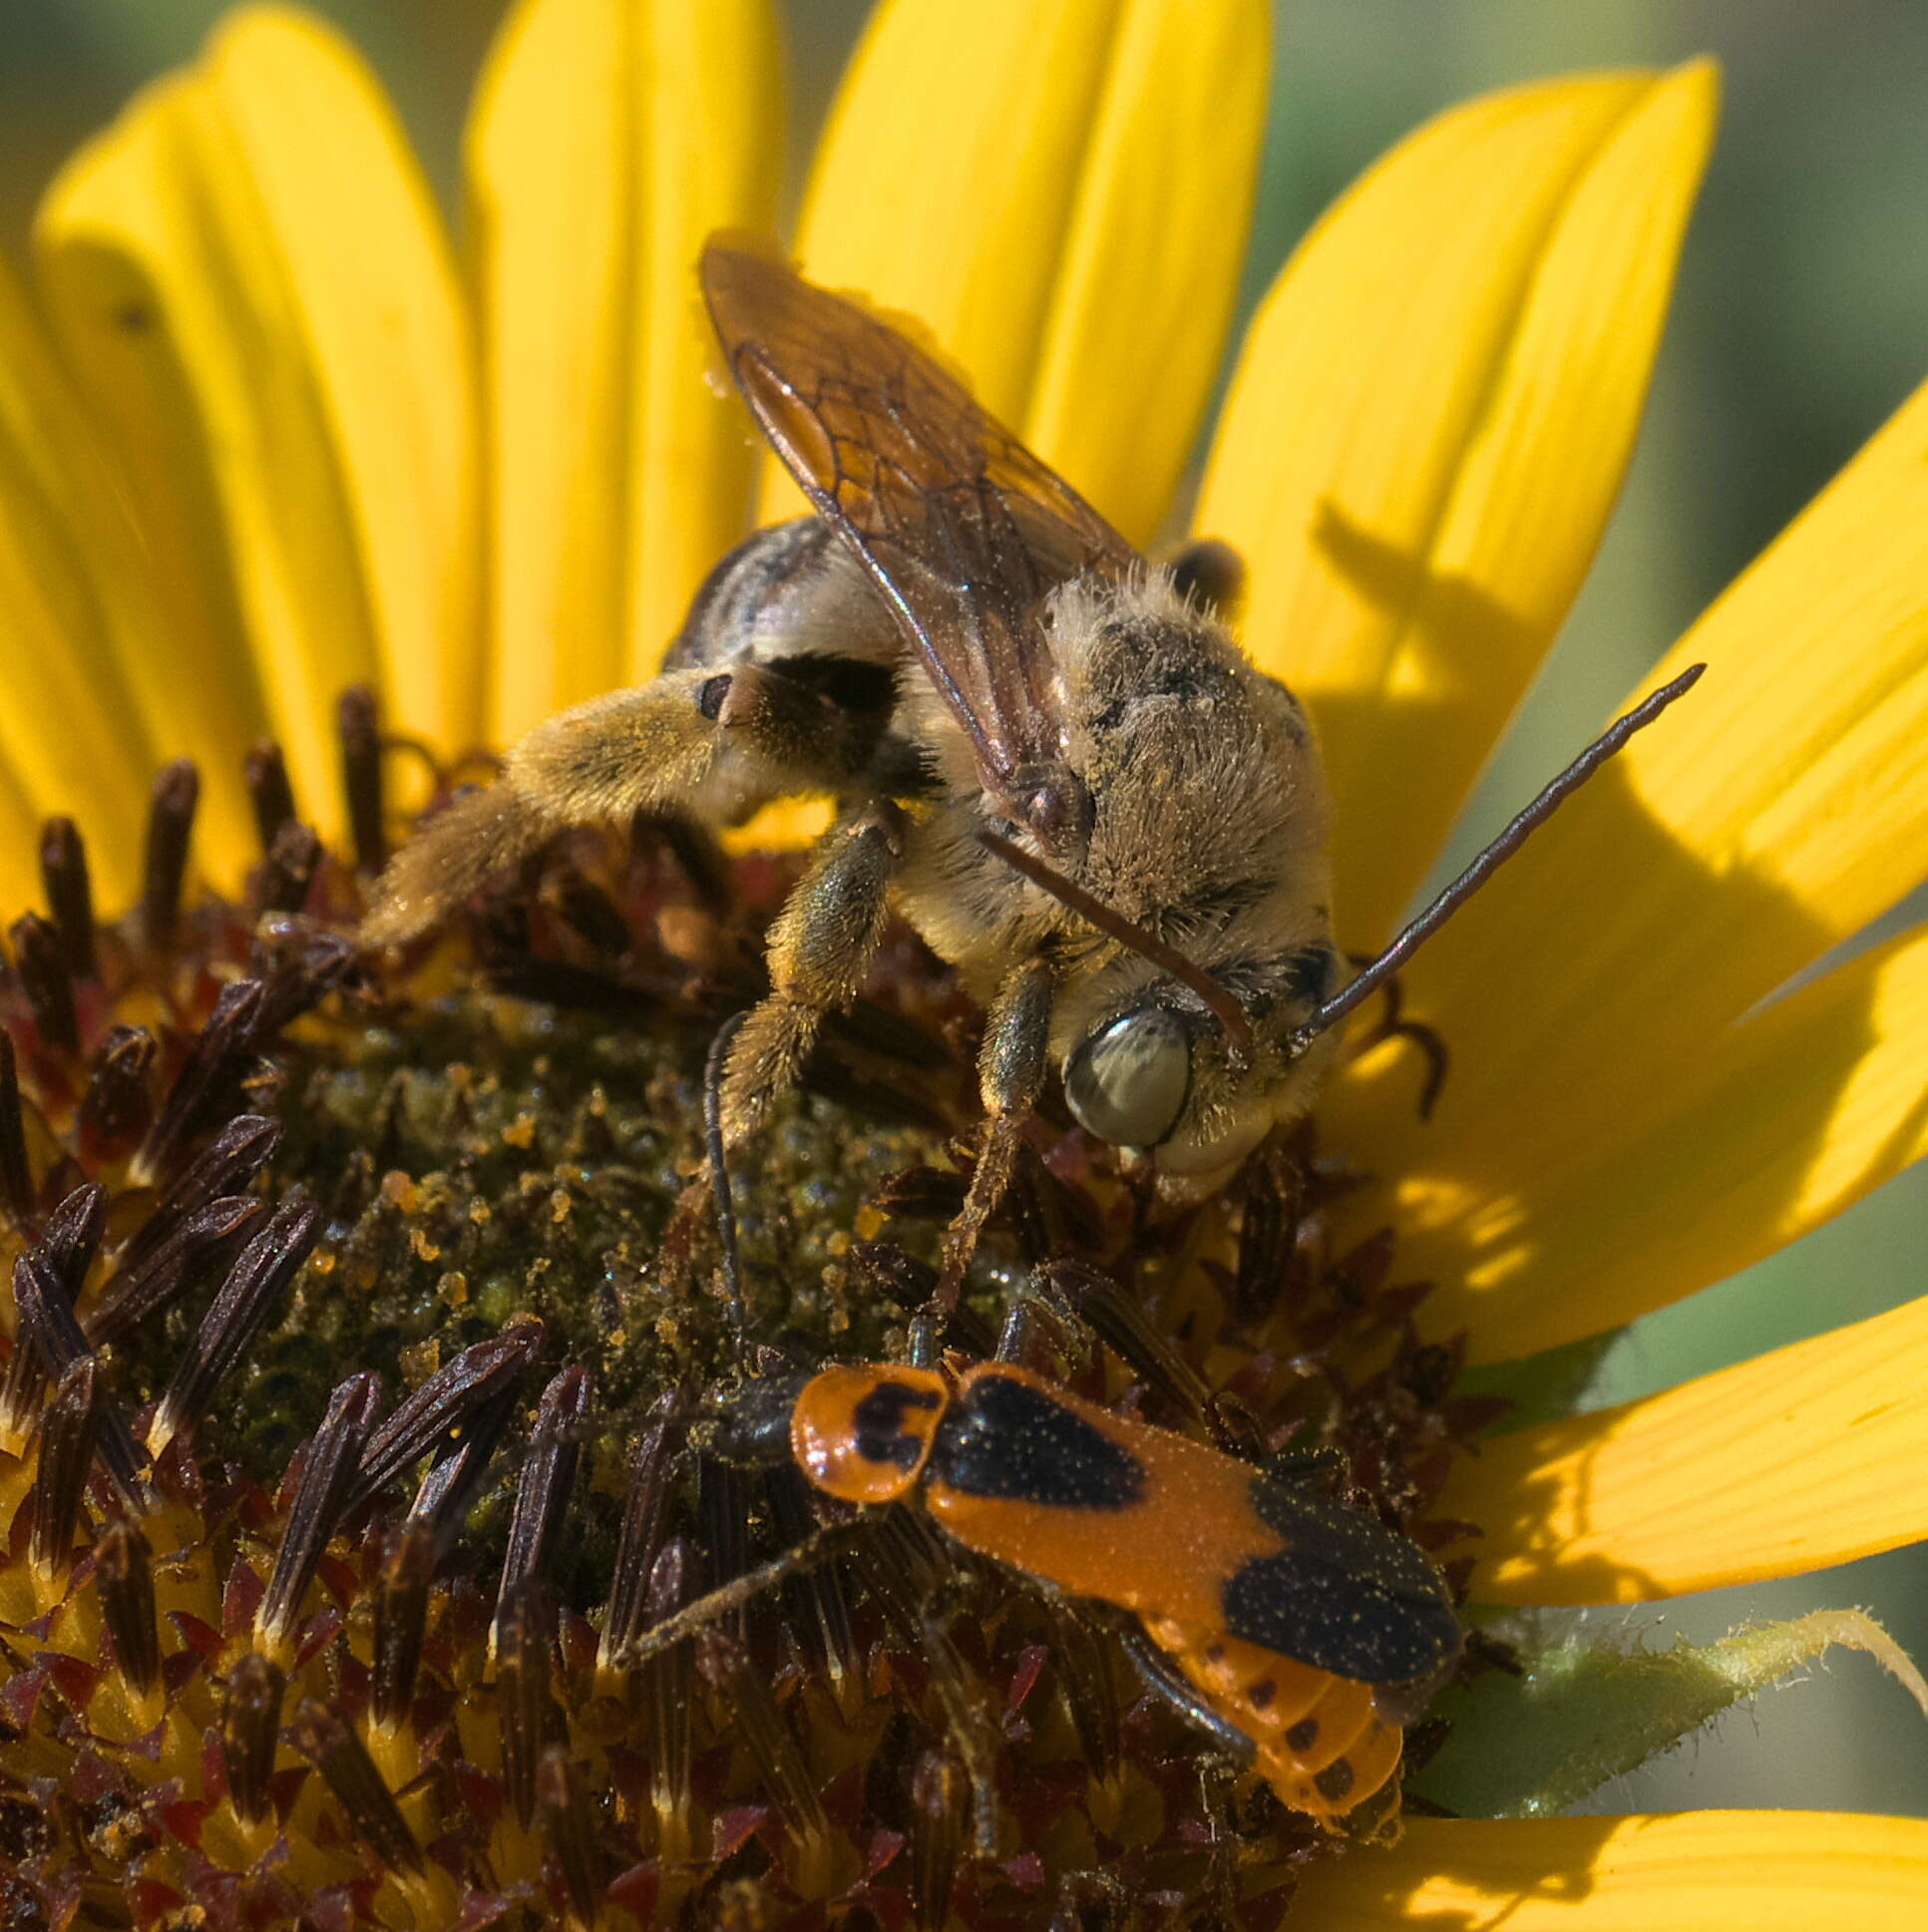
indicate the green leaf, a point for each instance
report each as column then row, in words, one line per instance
column 1584, row 1711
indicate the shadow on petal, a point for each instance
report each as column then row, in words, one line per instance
column 1601, row 1021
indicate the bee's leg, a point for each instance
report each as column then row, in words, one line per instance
column 1392, row 1024
column 1010, row 1076
column 820, row 946
column 713, row 744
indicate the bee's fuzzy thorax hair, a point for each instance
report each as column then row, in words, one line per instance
column 1148, row 592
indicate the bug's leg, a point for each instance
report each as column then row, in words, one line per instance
column 925, row 1347
column 1015, row 1338
column 1010, row 1075
column 1165, row 1682
column 1392, row 1024
column 820, row 949
column 1039, row 1313
column 818, row 1547
column 1309, row 1461
column 712, row 744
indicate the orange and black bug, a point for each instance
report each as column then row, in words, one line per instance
column 1311, row 1631
column 1303, row 1633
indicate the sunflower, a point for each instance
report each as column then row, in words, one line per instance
column 265, row 441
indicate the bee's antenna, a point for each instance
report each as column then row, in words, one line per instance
column 1167, row 958
column 1489, row 861
column 719, row 1175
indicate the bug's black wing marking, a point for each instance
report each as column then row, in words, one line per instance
column 1004, row 1438
column 1346, row 1595
column 960, row 526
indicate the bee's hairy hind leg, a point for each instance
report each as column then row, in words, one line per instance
column 821, row 948
column 481, row 837
column 709, row 743
column 1010, row 1076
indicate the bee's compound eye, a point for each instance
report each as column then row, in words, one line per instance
column 1127, row 1083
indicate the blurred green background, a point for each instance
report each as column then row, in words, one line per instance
column 1802, row 322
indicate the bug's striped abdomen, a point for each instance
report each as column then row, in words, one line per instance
column 1322, row 1745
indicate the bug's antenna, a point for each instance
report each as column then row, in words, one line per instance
column 1113, row 925
column 1489, row 862
column 719, row 1175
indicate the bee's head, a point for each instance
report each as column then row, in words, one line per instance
column 1161, row 1073
column 1194, row 1061
column 1191, row 1060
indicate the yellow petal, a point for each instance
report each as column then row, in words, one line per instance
column 1429, row 423
column 1791, row 1116
column 607, row 140
column 1060, row 196
column 944, row 181
column 786, row 825
column 70, row 737
column 1138, row 318
column 1796, row 1459
column 1771, row 813
column 1713, row 1872
column 250, row 276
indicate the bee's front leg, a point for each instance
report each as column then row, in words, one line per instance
column 820, row 946
column 1010, row 1075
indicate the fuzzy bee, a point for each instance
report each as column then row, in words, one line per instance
column 1048, row 754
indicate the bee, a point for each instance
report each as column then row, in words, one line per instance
column 1047, row 753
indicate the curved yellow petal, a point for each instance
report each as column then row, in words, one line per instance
column 1793, row 1115
column 607, row 140
column 1059, row 194
column 1429, row 420
column 1802, row 1457
column 1771, row 814
column 73, row 621
column 250, row 276
column 1143, row 301
column 944, row 182
column 1713, row 1872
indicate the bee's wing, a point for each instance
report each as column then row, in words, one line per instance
column 962, row 529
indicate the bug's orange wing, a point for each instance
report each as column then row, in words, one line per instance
column 962, row 528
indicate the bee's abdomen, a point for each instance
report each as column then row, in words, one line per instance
column 1322, row 1746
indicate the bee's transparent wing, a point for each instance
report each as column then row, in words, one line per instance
column 962, row 529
